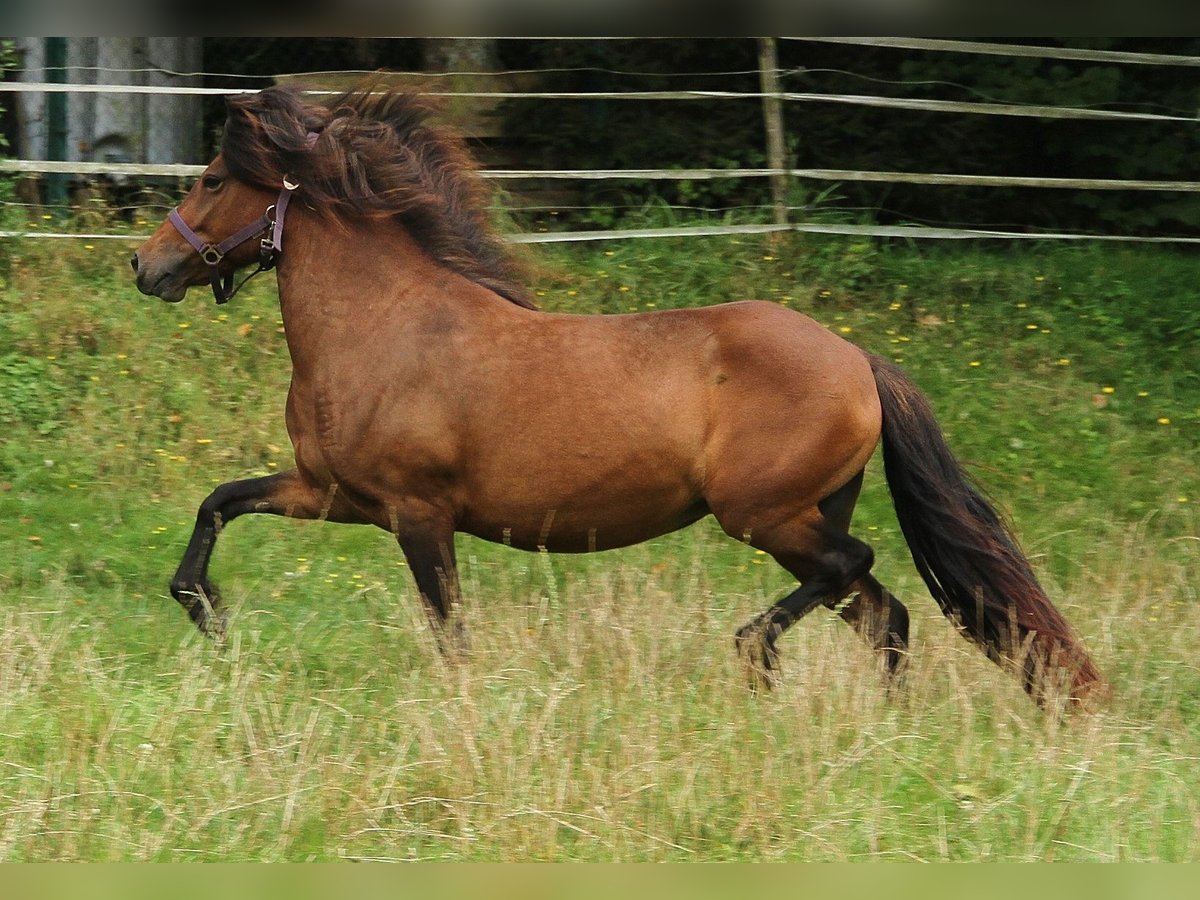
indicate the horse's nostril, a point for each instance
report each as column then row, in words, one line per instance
column 133, row 261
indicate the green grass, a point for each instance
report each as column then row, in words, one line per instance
column 602, row 714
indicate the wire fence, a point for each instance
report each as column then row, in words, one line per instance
column 986, row 107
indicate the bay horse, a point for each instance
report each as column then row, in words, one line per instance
column 429, row 396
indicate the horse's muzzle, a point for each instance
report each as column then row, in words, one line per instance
column 157, row 281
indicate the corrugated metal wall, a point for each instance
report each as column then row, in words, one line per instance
column 119, row 127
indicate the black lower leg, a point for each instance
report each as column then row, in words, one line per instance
column 882, row 621
column 826, row 579
column 191, row 587
column 755, row 640
column 434, row 569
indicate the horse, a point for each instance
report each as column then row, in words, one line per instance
column 429, row 397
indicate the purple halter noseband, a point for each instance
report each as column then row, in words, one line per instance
column 269, row 225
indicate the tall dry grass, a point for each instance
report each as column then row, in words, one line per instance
column 597, row 716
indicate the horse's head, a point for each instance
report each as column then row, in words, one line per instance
column 195, row 243
column 369, row 155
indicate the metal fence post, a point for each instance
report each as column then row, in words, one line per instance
column 56, row 121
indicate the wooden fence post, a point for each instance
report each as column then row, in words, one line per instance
column 768, row 65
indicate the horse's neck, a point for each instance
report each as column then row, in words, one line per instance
column 341, row 285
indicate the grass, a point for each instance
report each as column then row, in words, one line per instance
column 601, row 714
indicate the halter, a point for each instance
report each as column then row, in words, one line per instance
column 269, row 224
column 269, row 247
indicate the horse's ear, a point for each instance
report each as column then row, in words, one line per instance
column 249, row 106
column 240, row 105
column 240, row 120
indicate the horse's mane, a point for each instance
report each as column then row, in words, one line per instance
column 376, row 155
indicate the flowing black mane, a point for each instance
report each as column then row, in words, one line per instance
column 376, row 156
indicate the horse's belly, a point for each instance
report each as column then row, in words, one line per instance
column 582, row 524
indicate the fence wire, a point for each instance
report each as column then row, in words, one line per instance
column 990, row 108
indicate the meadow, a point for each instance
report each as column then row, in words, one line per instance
column 601, row 713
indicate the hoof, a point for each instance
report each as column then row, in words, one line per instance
column 213, row 623
column 895, row 663
column 453, row 641
column 760, row 658
column 202, row 603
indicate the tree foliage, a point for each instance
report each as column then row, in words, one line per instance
column 900, row 140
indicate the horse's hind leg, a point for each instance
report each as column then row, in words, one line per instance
column 882, row 620
column 283, row 494
column 828, row 563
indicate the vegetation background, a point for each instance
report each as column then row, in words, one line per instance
column 602, row 714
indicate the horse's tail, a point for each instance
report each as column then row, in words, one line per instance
column 965, row 553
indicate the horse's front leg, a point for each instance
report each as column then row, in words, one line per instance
column 427, row 538
column 284, row 494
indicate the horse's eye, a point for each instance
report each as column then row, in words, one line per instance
column 212, row 182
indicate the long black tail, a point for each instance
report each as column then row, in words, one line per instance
column 965, row 552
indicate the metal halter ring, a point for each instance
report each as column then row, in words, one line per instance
column 211, row 254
